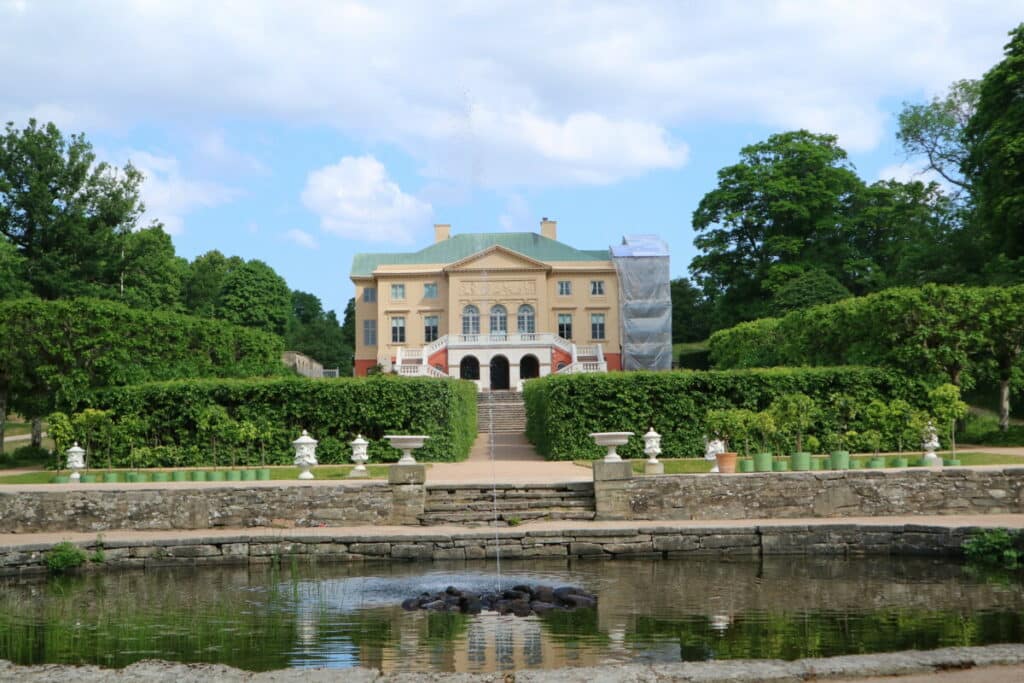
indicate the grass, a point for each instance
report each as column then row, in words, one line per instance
column 276, row 473
column 17, row 428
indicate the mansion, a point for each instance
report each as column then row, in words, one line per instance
column 494, row 308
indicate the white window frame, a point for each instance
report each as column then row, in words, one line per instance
column 597, row 288
column 565, row 320
column 369, row 295
column 565, row 288
column 526, row 319
column 597, row 319
column 429, row 290
column 369, row 333
column 398, row 292
column 428, row 328
column 398, row 329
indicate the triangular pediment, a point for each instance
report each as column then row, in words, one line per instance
column 497, row 257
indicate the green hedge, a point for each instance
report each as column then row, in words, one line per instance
column 562, row 410
column 178, row 423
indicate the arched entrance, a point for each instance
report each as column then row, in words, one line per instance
column 529, row 367
column 499, row 373
column 469, row 368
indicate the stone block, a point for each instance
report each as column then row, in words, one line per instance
column 612, row 471
column 235, row 550
column 546, row 551
column 373, row 549
column 412, row 551
column 193, row 551
column 673, row 543
column 586, row 549
column 475, row 552
column 407, row 474
column 629, row 548
column 730, row 540
column 449, row 553
column 653, row 468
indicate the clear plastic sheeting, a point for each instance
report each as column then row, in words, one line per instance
column 645, row 302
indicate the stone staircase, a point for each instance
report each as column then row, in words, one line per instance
column 474, row 504
column 502, row 409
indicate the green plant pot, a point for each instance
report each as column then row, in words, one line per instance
column 179, row 475
column 800, row 462
column 217, row 475
column 900, row 462
column 263, row 474
column 111, row 478
column 198, row 475
column 780, row 466
column 248, row 475
column 88, row 479
column 857, row 463
column 762, row 462
column 951, row 462
column 876, row 463
column 818, row 464
column 131, row 477
column 234, row 475
column 746, row 465
column 162, row 476
column 840, row 460
column 917, row 463
column 141, row 477
column 61, row 479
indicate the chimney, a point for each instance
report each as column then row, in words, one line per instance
column 442, row 231
column 549, row 228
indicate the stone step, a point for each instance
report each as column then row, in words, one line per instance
column 484, row 518
column 508, row 506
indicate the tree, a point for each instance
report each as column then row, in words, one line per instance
column 1001, row 319
column 12, row 272
column 63, row 210
column 691, row 321
column 318, row 334
column 149, row 274
column 813, row 287
column 204, row 281
column 784, row 206
column 994, row 139
column 253, row 295
column 936, row 131
column 947, row 408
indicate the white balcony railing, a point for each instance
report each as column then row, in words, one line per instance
column 509, row 339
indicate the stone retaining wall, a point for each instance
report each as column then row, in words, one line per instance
column 207, row 507
column 864, row 493
column 655, row 542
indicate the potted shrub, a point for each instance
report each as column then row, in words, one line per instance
column 766, row 429
column 948, row 408
column 794, row 414
column 265, row 432
column 725, row 425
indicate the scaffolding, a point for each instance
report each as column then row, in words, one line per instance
column 645, row 302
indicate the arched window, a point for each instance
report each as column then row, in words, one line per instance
column 471, row 320
column 499, row 320
column 525, row 321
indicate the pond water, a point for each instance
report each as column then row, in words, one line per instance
column 337, row 615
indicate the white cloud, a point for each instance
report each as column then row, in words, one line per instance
column 302, row 238
column 168, row 196
column 356, row 198
column 212, row 147
column 502, row 94
column 517, row 216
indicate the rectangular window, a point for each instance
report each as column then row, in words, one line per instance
column 597, row 325
column 430, row 325
column 369, row 333
column 597, row 288
column 369, row 295
column 397, row 292
column 398, row 330
column 565, row 325
column 564, row 288
column 430, row 290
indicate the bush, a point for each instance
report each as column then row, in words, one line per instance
column 983, row 430
column 563, row 409
column 995, row 547
column 64, row 556
column 225, row 421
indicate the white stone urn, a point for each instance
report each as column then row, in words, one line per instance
column 406, row 443
column 359, row 457
column 76, row 462
column 930, row 445
column 305, row 454
column 611, row 441
column 652, row 446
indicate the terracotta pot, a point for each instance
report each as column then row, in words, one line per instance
column 726, row 463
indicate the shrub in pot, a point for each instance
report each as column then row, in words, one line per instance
column 766, row 430
column 726, row 425
column 746, row 465
column 161, row 476
column 900, row 462
column 794, row 414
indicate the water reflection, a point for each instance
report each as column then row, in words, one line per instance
column 261, row 618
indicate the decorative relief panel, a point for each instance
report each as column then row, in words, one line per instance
column 522, row 289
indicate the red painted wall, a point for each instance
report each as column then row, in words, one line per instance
column 614, row 361
column 559, row 356
column 439, row 357
column 361, row 366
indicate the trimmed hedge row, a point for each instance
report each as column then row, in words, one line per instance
column 561, row 410
column 179, row 423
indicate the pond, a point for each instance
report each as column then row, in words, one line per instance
column 342, row 615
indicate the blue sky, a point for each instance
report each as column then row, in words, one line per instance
column 300, row 133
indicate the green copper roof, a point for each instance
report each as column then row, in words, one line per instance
column 458, row 247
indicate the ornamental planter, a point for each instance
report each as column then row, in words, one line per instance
column 263, row 474
column 111, row 478
column 818, row 464
column 61, row 479
column 857, row 463
column 726, row 463
column 179, row 476
column 161, row 476
column 780, row 466
column 131, row 477
column 248, row 475
column 800, row 462
column 951, row 462
column 216, row 475
column 198, row 475
column 234, row 475
column 88, row 479
column 762, row 462
column 840, row 460
column 900, row 462
column 746, row 465
column 876, row 463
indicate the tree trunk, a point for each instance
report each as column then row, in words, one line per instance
column 1005, row 372
column 3, row 417
column 37, row 432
